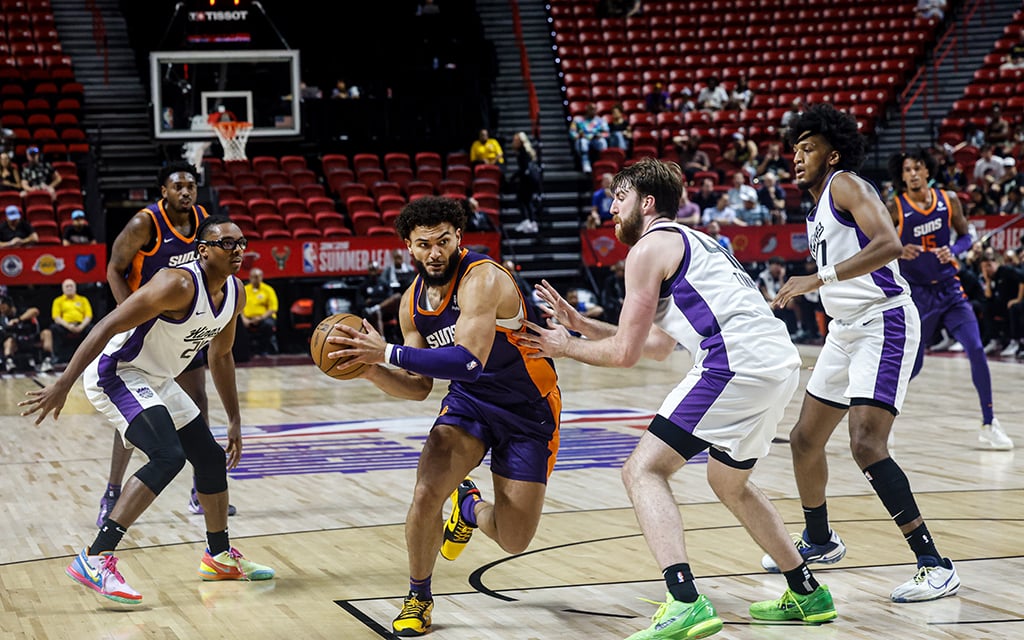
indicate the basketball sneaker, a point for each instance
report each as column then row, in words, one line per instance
column 816, row 606
column 829, row 553
column 993, row 437
column 457, row 531
column 929, row 583
column 107, row 503
column 100, row 574
column 414, row 619
column 195, row 507
column 676, row 620
column 230, row 565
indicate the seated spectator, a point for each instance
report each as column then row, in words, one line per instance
column 486, row 150
column 613, row 292
column 769, row 281
column 72, row 319
column 796, row 108
column 10, row 179
column 751, row 212
column 706, row 196
column 1014, row 59
column 739, row 189
column 688, row 212
column 691, row 157
column 1003, row 289
column 400, row 273
column 772, row 161
column 342, row 91
column 658, row 99
column 259, row 316
column 684, row 102
column 620, row 131
column 38, row 175
column 741, row 95
column 589, row 134
column 742, row 152
column 721, row 213
column 773, row 198
column 713, row 96
column 978, row 202
column 584, row 303
column 929, row 9
column 21, row 334
column 997, row 131
column 17, row 231
column 1011, row 177
column 79, row 231
column 1013, row 202
column 601, row 203
column 988, row 164
column 714, row 230
column 477, row 220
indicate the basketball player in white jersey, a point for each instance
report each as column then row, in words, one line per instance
column 865, row 365
column 128, row 364
column 682, row 287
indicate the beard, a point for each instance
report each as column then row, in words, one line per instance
column 630, row 227
column 446, row 275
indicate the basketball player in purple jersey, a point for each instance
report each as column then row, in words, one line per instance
column 864, row 367
column 458, row 319
column 162, row 235
column 682, row 287
column 926, row 218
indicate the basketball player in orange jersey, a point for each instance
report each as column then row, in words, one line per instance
column 159, row 236
column 459, row 318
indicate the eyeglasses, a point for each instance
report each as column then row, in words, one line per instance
column 227, row 244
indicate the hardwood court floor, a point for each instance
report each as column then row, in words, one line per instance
column 325, row 482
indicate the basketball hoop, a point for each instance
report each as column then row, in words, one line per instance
column 233, row 136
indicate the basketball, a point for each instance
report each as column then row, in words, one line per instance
column 319, row 347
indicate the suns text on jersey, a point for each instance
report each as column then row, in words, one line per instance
column 442, row 337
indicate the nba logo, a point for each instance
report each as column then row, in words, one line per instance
column 309, row 257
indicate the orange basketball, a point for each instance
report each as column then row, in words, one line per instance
column 319, row 347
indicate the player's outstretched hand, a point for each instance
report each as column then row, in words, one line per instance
column 556, row 307
column 544, row 342
column 44, row 401
column 366, row 346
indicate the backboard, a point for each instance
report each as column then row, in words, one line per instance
column 254, row 86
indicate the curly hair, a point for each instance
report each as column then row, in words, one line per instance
column 172, row 168
column 896, row 161
column 837, row 127
column 651, row 177
column 428, row 212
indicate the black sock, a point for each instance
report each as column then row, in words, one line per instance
column 217, row 542
column 800, row 580
column 816, row 518
column 680, row 582
column 108, row 538
column 921, row 543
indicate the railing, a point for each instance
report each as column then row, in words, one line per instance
column 524, row 62
column 99, row 34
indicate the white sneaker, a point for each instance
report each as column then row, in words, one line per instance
column 1010, row 349
column 993, row 437
column 523, row 227
column 944, row 344
column 534, row 227
column 992, row 347
column 929, row 583
column 9, row 364
column 47, row 365
column 956, row 347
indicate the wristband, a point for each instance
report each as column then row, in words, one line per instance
column 450, row 363
column 963, row 243
column 827, row 275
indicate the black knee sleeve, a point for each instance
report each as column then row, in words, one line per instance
column 892, row 486
column 152, row 432
column 207, row 457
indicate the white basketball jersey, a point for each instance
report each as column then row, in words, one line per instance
column 163, row 347
column 713, row 309
column 834, row 237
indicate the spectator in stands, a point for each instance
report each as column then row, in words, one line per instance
column 751, row 212
column 929, row 9
column 739, row 189
column 79, row 231
column 342, row 91
column 589, row 134
column 10, row 179
column 1013, row 202
column 978, row 202
column 1003, row 289
column 17, row 231
column 772, row 197
column 684, row 102
column 1014, row 59
column 21, row 333
column 72, row 318
column 742, row 152
column 486, row 150
column 713, row 97
column 973, row 137
column 988, row 164
column 721, row 213
column 769, row 281
column 527, row 180
column 714, row 230
column 259, row 317
column 477, row 220
column 400, row 273
column 613, row 291
column 772, row 161
column 658, row 99
column 796, row 108
column 38, row 174
column 741, row 95
column 1011, row 177
column 601, row 203
column 688, row 212
column 706, row 196
column 620, row 131
column 691, row 157
column 584, row 304
column 997, row 130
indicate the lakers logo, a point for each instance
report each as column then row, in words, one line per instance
column 444, row 410
column 48, row 264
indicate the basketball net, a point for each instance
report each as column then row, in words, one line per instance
column 194, row 150
column 233, row 136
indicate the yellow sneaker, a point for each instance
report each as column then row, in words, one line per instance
column 457, row 531
column 414, row 620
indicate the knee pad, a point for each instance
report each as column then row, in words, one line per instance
column 152, row 431
column 209, row 464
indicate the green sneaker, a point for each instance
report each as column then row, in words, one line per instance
column 676, row 620
column 814, row 607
